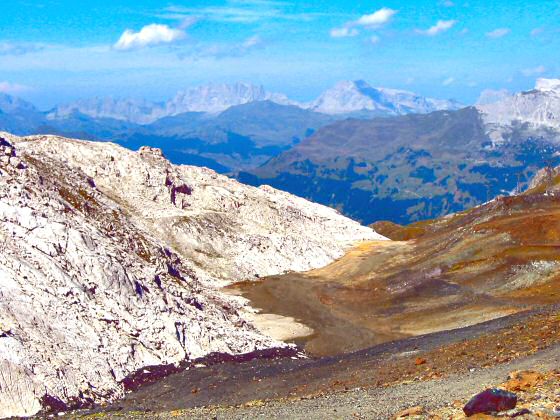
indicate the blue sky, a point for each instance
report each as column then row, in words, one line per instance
column 56, row 51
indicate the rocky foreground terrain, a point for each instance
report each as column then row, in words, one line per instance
column 415, row 328
column 111, row 260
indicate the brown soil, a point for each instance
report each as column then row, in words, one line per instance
column 462, row 270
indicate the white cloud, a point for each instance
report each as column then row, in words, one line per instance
column 534, row 71
column 537, row 31
column 374, row 39
column 150, row 35
column 376, row 19
column 439, row 27
column 7, row 87
column 371, row 21
column 498, row 33
column 448, row 81
column 343, row 32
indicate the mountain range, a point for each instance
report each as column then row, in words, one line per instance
column 359, row 97
column 344, row 98
column 225, row 127
column 372, row 153
column 420, row 166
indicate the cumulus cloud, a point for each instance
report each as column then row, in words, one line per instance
column 498, row 33
column 343, row 32
column 7, row 87
column 449, row 81
column 149, row 35
column 534, row 71
column 439, row 27
column 376, row 19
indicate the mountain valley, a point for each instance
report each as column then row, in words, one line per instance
column 129, row 275
column 227, row 128
column 419, row 166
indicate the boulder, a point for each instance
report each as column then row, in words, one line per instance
column 490, row 401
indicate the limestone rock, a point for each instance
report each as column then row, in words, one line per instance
column 110, row 261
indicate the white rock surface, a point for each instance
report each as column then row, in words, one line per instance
column 109, row 262
column 539, row 107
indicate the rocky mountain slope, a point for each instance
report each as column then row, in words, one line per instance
column 469, row 302
column 111, row 259
column 538, row 107
column 463, row 269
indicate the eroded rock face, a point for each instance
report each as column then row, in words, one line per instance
column 103, row 272
column 227, row 229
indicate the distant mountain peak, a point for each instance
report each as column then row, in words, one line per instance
column 138, row 111
column 212, row 98
column 10, row 104
column 539, row 107
column 347, row 97
column 215, row 98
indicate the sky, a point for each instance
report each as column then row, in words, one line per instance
column 61, row 50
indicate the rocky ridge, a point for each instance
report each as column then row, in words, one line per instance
column 537, row 107
column 111, row 259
